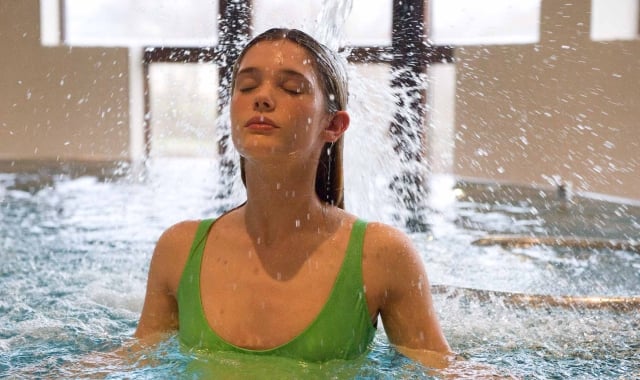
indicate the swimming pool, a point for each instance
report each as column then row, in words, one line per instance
column 76, row 244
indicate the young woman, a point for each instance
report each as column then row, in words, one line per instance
column 290, row 272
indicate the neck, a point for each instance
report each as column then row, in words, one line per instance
column 281, row 201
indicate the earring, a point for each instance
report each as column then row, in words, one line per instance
column 330, row 148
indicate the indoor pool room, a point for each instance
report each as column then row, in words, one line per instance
column 501, row 139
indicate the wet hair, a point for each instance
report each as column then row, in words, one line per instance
column 332, row 73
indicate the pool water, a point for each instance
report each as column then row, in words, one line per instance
column 75, row 248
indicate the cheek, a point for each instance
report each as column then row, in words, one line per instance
column 233, row 118
column 304, row 121
column 311, row 117
column 235, row 109
column 234, row 104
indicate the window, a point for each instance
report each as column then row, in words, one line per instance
column 369, row 23
column 184, row 102
column 472, row 22
column 49, row 22
column 140, row 22
column 284, row 13
column 366, row 22
column 615, row 20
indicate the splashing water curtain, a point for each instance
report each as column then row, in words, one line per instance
column 540, row 281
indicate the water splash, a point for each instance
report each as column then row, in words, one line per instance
column 77, row 253
column 331, row 22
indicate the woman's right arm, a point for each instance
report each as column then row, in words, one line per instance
column 160, row 310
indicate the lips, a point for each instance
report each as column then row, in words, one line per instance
column 260, row 123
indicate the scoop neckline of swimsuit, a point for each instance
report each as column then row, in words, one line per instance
column 306, row 329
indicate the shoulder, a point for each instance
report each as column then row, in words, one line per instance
column 177, row 237
column 389, row 257
column 384, row 242
column 172, row 250
column 159, row 312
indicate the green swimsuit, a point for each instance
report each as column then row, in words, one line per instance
column 342, row 329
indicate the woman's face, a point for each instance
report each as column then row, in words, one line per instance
column 278, row 110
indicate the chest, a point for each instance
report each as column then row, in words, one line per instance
column 259, row 299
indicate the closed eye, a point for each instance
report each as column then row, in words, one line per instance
column 294, row 87
column 246, row 85
column 246, row 81
column 245, row 88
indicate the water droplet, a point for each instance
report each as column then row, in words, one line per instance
column 482, row 152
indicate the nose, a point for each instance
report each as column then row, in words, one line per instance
column 263, row 103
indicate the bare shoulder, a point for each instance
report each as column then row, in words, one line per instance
column 172, row 251
column 398, row 288
column 390, row 261
column 160, row 309
column 178, row 235
column 387, row 245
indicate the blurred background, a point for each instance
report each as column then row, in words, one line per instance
column 535, row 92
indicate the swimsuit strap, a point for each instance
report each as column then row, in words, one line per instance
column 201, row 234
column 341, row 330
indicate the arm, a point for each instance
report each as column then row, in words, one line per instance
column 160, row 310
column 395, row 269
column 159, row 313
column 402, row 294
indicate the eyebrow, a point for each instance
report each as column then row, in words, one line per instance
column 294, row 73
column 247, row 70
column 286, row 72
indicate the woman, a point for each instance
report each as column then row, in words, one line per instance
column 289, row 272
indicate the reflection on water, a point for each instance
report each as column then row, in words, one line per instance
column 75, row 252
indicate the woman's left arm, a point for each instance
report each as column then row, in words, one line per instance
column 395, row 272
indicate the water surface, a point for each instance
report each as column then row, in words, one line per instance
column 76, row 249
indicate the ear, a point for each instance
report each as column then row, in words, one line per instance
column 337, row 126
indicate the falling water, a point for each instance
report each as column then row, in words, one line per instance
column 76, row 249
column 330, row 26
